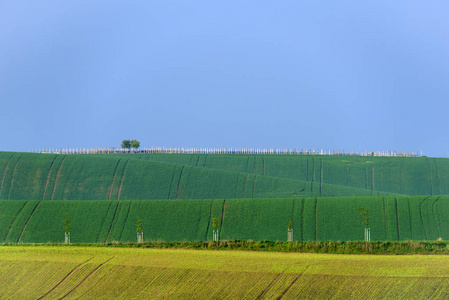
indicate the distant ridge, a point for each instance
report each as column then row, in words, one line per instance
column 110, row 150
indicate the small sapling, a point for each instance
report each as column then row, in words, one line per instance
column 215, row 224
column 67, row 228
column 139, row 230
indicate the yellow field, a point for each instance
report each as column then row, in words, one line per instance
column 34, row 272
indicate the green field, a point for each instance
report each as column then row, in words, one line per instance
column 31, row 176
column 399, row 175
column 254, row 196
column 325, row 218
column 92, row 272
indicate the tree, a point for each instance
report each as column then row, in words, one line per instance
column 365, row 216
column 290, row 232
column 139, row 230
column 126, row 144
column 139, row 225
column 365, row 222
column 67, row 228
column 67, row 223
column 135, row 144
column 215, row 223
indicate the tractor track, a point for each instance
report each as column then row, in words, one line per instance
column 126, row 220
column 121, row 181
column 397, row 216
column 435, row 216
column 10, row 226
column 179, row 182
column 57, row 177
column 28, row 220
column 113, row 179
column 112, row 221
column 87, row 277
column 171, row 181
column 4, row 173
column 222, row 213
column 208, row 223
column 12, row 177
column 254, row 185
column 316, row 207
column 67, row 277
column 273, row 283
column 48, row 178
column 420, row 216
column 293, row 282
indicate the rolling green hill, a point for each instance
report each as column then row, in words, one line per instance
column 324, row 218
column 30, row 176
column 399, row 175
column 255, row 196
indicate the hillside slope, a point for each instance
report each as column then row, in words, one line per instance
column 30, row 176
column 325, row 218
column 178, row 195
column 400, row 175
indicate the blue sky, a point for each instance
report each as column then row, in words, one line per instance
column 343, row 75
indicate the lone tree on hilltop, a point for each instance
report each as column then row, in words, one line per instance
column 126, row 144
column 135, row 144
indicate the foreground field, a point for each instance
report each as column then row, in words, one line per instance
column 49, row 272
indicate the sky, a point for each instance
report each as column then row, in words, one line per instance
column 334, row 75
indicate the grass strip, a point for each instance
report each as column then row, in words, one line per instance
column 329, row 247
